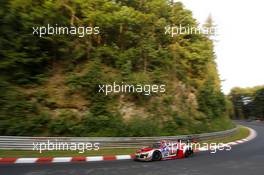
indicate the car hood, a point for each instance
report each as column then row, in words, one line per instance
column 144, row 150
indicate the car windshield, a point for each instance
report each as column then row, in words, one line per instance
column 156, row 145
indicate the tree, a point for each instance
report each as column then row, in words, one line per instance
column 211, row 101
column 130, row 47
column 209, row 27
column 258, row 103
column 247, row 102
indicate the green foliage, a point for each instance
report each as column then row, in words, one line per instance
column 89, row 84
column 18, row 116
column 138, row 126
column 106, row 125
column 258, row 103
column 248, row 102
column 131, row 48
column 211, row 102
column 65, row 124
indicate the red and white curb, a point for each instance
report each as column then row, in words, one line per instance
column 251, row 136
column 63, row 159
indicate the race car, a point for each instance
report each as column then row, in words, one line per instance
column 164, row 150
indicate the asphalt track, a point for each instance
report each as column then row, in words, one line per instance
column 243, row 159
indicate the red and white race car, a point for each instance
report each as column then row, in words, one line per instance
column 164, row 150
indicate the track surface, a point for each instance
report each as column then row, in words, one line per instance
column 244, row 159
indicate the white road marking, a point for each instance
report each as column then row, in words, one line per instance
column 94, row 158
column 61, row 159
column 26, row 160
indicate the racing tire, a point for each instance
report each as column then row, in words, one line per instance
column 156, row 156
column 188, row 153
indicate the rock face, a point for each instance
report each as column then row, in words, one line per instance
column 52, row 82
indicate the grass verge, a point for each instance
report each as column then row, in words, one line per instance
column 242, row 133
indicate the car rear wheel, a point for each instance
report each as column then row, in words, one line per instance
column 188, row 153
column 156, row 156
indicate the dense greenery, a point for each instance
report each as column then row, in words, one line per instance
column 49, row 84
column 248, row 102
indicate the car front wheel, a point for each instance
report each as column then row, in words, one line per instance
column 156, row 156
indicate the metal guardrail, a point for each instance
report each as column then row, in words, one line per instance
column 27, row 143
